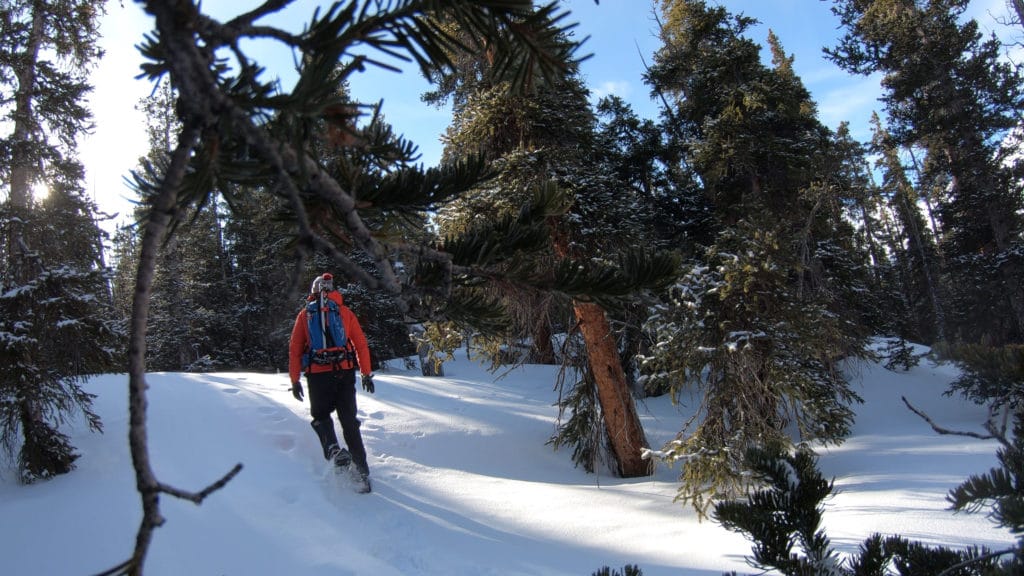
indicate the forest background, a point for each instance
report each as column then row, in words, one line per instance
column 734, row 245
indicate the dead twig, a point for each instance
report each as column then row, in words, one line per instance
column 945, row 431
column 198, row 497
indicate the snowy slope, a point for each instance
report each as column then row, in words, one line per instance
column 463, row 483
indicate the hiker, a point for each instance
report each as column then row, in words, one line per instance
column 328, row 344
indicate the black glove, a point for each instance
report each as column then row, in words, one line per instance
column 368, row 383
column 297, row 391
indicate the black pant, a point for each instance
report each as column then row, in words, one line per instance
column 336, row 391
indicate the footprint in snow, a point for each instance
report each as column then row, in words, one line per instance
column 284, row 442
column 290, row 494
column 275, row 415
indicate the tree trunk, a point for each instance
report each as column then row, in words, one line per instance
column 618, row 410
column 543, row 350
column 620, row 417
column 22, row 163
column 22, row 157
column 18, row 253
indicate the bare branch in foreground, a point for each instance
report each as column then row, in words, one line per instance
column 133, row 564
column 942, row 430
column 198, row 497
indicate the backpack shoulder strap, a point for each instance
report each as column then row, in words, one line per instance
column 335, row 325
column 315, row 329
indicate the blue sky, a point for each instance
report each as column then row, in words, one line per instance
column 622, row 36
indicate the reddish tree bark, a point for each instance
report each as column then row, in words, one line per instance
column 620, row 417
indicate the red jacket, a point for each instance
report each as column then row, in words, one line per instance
column 299, row 342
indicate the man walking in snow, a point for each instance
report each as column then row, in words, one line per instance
column 327, row 343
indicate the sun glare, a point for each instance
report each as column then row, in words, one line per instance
column 40, row 191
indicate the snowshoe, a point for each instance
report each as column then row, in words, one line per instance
column 360, row 481
column 355, row 476
column 340, row 457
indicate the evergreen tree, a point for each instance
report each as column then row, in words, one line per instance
column 948, row 91
column 548, row 137
column 642, row 157
column 759, row 321
column 55, row 303
column 263, row 292
column 916, row 255
column 783, row 519
column 861, row 203
column 192, row 322
column 667, row 206
column 124, row 261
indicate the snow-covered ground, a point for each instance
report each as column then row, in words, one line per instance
column 463, row 483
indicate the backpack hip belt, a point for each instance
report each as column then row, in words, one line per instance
column 335, row 356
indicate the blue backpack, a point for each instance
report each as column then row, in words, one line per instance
column 328, row 346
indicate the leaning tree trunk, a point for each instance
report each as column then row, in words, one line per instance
column 618, row 410
column 620, row 417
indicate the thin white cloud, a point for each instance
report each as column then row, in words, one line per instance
column 853, row 101
column 621, row 88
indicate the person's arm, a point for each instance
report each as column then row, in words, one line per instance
column 297, row 346
column 354, row 332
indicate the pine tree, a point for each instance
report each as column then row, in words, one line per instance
column 55, row 303
column 917, row 254
column 783, row 519
column 761, row 318
column 783, row 516
column 124, row 261
column 949, row 92
column 263, row 291
column 669, row 204
column 850, row 170
column 191, row 323
column 548, row 138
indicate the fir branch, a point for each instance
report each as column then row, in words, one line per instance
column 983, row 558
column 977, row 490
